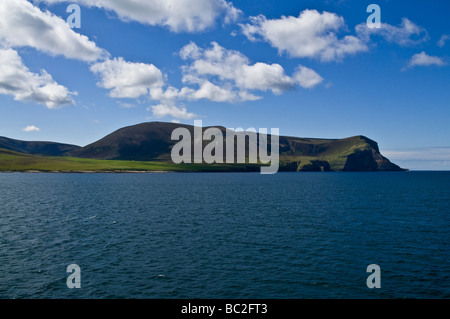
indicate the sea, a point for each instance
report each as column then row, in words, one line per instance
column 225, row 235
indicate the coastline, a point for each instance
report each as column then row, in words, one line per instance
column 89, row 172
column 174, row 171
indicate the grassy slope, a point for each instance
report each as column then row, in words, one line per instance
column 19, row 162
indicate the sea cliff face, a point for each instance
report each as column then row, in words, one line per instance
column 369, row 160
column 357, row 153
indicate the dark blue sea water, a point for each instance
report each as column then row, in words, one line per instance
column 289, row 235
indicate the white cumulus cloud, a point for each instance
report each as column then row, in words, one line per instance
column 209, row 91
column 31, row 128
column 127, row 79
column 312, row 34
column 220, row 75
column 307, row 77
column 17, row 80
column 169, row 109
column 423, row 59
column 228, row 75
column 22, row 24
column 177, row 15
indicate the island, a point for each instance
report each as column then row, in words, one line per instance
column 146, row 147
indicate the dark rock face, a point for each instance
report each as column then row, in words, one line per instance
column 288, row 166
column 369, row 160
column 317, row 166
column 384, row 164
column 361, row 161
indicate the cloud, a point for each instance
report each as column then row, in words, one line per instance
column 223, row 75
column 169, row 109
column 312, row 34
column 405, row 34
column 31, row 128
column 17, row 80
column 127, row 79
column 315, row 35
column 443, row 39
column 423, row 59
column 209, row 91
column 22, row 24
column 220, row 75
column 307, row 78
column 177, row 15
column 126, row 105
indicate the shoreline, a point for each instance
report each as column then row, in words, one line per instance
column 88, row 172
column 187, row 171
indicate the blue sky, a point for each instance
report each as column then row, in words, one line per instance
column 309, row 68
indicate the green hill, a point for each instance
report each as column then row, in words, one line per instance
column 36, row 148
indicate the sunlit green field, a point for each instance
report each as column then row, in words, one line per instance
column 18, row 162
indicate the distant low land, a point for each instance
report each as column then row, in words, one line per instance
column 147, row 147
